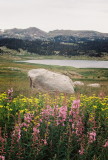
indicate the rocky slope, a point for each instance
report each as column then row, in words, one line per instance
column 33, row 33
column 77, row 33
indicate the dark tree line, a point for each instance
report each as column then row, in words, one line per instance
column 68, row 46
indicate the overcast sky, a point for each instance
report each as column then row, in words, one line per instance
column 55, row 14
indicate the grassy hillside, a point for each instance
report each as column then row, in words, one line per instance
column 46, row 126
column 13, row 74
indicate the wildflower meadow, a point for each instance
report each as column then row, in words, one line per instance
column 53, row 127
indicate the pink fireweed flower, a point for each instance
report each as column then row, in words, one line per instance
column 10, row 92
column 70, row 120
column 56, row 109
column 17, row 133
column 81, row 151
column 24, row 125
column 76, row 104
column 106, row 144
column 63, row 112
column 40, row 120
column 28, row 117
column 102, row 94
column 44, row 141
column 2, row 140
column 46, row 113
column 35, row 130
column 92, row 136
column 2, row 144
column 76, row 119
column 79, row 127
column 2, row 157
column 62, row 115
column 35, row 134
column 38, row 125
column 75, row 109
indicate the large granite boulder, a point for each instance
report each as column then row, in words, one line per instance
column 45, row 80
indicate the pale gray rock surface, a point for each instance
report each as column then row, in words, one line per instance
column 78, row 83
column 45, row 80
column 97, row 85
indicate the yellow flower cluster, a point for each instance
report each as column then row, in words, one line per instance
column 24, row 104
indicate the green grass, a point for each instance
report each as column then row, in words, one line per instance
column 13, row 74
column 57, row 127
column 61, row 142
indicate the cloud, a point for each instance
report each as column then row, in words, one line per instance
column 53, row 14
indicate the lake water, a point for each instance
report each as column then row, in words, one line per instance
column 72, row 63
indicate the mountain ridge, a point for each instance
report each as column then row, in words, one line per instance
column 28, row 33
column 77, row 33
column 33, row 33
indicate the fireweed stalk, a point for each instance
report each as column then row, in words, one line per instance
column 56, row 131
column 10, row 93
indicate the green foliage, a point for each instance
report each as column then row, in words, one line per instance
column 53, row 127
column 14, row 75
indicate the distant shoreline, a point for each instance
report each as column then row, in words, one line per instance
column 72, row 63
